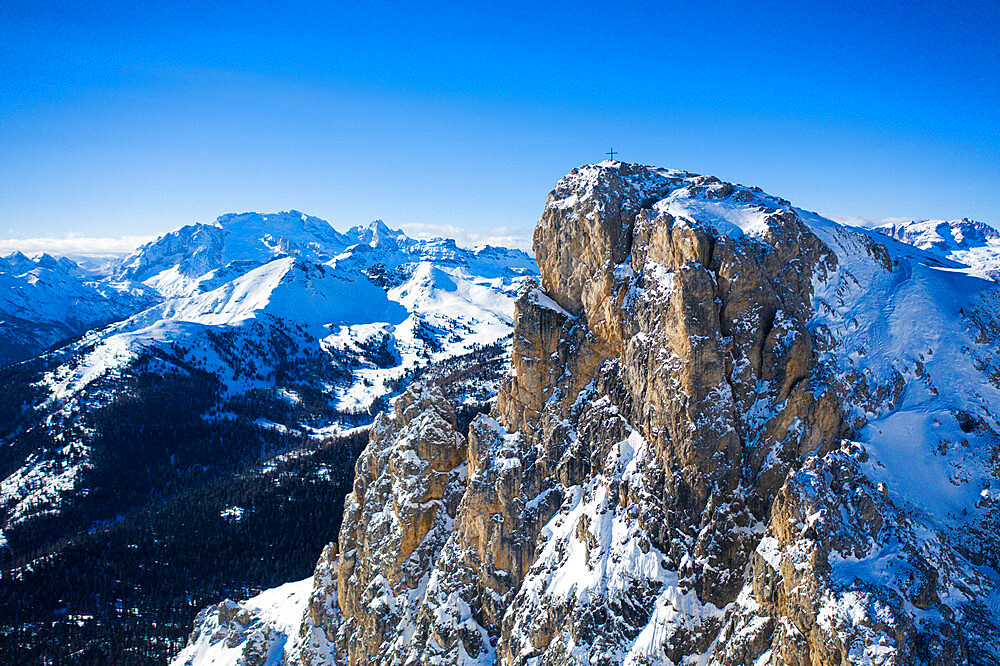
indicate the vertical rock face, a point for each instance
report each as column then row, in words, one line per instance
column 683, row 385
column 407, row 487
column 735, row 433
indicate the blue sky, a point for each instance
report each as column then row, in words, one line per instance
column 122, row 119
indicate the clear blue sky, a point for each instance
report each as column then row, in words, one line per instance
column 129, row 118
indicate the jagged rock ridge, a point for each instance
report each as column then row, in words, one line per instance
column 735, row 433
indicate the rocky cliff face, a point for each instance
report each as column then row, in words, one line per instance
column 408, row 484
column 736, row 433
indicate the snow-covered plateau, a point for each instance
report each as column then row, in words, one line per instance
column 736, row 432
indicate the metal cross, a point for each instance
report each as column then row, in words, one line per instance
column 612, row 153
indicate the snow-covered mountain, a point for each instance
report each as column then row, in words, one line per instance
column 44, row 300
column 277, row 319
column 964, row 241
column 199, row 256
column 737, row 432
column 374, row 295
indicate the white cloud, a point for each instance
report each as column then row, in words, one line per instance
column 503, row 236
column 74, row 246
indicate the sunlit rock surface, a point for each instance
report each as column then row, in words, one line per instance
column 735, row 432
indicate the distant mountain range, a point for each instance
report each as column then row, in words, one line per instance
column 49, row 300
column 214, row 345
column 45, row 300
column 964, row 241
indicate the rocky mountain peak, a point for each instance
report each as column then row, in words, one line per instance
column 590, row 218
column 377, row 234
column 290, row 223
column 174, row 262
column 735, row 432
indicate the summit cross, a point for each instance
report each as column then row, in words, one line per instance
column 612, row 153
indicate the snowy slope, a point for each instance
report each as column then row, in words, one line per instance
column 921, row 323
column 256, row 630
column 314, row 295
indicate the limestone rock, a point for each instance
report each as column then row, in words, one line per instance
column 407, row 486
column 735, row 433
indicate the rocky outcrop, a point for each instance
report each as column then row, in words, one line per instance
column 733, row 434
column 252, row 633
column 408, row 483
column 693, row 346
column 830, row 526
